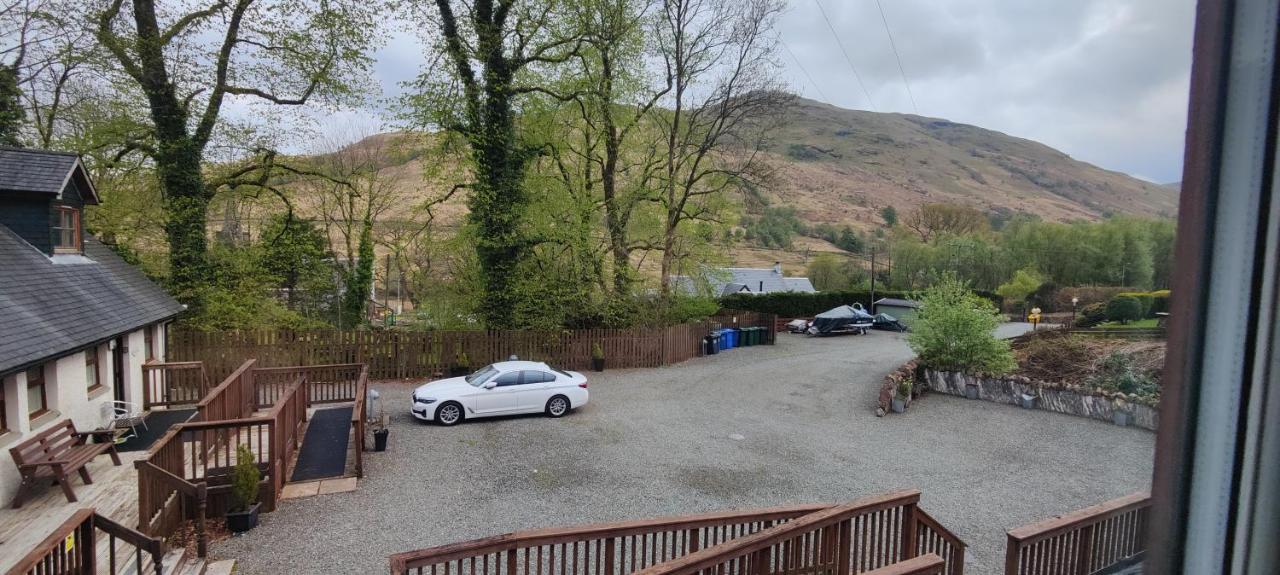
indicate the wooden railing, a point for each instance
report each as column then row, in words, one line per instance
column 1083, row 542
column 72, row 549
column 598, row 549
column 336, row 383
column 173, row 383
column 186, row 474
column 857, row 537
column 231, row 399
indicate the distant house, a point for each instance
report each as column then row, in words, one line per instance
column 903, row 310
column 78, row 322
column 720, row 282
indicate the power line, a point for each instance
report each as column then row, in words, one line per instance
column 806, row 72
column 894, row 45
column 871, row 103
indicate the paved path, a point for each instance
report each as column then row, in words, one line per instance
column 750, row 427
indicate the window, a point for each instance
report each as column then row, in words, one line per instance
column 149, row 346
column 91, row 377
column 509, row 378
column 37, row 399
column 67, row 230
column 535, row 376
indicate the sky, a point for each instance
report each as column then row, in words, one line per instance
column 1105, row 81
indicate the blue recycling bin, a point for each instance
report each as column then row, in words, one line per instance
column 726, row 341
column 731, row 334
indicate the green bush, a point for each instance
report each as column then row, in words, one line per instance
column 796, row 304
column 1124, row 309
column 1145, row 300
column 1091, row 315
column 244, row 479
column 1117, row 373
column 955, row 331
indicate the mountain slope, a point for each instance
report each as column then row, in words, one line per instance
column 843, row 166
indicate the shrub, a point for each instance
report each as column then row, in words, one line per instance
column 1091, row 315
column 244, row 479
column 597, row 352
column 1053, row 356
column 461, row 360
column 904, row 389
column 954, row 331
column 1118, row 373
column 1124, row 309
column 1145, row 300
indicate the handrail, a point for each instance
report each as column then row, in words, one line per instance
column 179, row 483
column 358, row 417
column 509, row 542
column 297, row 367
column 1085, row 541
column 71, row 548
column 929, row 564
column 712, row 557
column 932, row 537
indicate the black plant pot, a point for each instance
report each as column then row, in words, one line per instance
column 380, row 439
column 459, row 371
column 597, row 363
column 241, row 521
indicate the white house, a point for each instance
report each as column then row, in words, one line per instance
column 76, row 321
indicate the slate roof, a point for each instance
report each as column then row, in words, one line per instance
column 724, row 281
column 41, row 171
column 53, row 306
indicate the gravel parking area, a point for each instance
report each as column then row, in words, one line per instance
column 791, row 423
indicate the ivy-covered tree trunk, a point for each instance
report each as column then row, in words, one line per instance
column 11, row 113
column 359, row 280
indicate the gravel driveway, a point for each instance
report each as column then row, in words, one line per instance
column 791, row 423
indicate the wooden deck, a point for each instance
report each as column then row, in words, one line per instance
column 114, row 494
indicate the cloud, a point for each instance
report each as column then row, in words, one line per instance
column 1105, row 81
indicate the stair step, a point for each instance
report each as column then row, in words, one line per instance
column 223, row 567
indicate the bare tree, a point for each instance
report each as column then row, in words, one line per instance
column 719, row 58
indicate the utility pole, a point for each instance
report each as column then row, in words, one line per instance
column 873, row 278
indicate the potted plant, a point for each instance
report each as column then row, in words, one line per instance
column 245, row 477
column 461, row 365
column 379, row 424
column 899, row 402
column 597, row 356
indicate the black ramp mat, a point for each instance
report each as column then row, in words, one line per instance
column 158, row 422
column 324, row 449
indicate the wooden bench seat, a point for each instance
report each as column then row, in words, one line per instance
column 55, row 454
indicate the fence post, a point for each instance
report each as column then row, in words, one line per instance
column 1084, row 553
column 1012, row 560
column 910, row 524
column 202, row 504
column 610, row 548
column 88, row 546
column 844, row 548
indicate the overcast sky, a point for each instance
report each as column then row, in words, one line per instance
column 1103, row 80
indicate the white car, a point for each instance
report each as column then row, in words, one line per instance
column 503, row 388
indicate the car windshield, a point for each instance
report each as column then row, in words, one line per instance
column 481, row 376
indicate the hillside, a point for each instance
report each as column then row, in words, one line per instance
column 842, row 167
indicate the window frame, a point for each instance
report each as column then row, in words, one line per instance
column 44, row 393
column 76, row 229
column 519, row 379
column 148, row 345
column 93, row 365
column 543, row 376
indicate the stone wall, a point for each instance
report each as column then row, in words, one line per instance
column 1070, row 400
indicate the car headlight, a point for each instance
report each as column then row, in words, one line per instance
column 417, row 399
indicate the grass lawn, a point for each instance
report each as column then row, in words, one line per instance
column 1140, row 324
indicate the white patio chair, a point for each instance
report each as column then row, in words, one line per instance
column 125, row 414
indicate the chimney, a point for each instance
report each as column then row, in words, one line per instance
column 777, row 268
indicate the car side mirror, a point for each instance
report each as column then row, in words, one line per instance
column 490, row 384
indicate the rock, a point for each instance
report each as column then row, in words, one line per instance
column 880, row 412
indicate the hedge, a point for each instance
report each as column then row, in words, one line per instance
column 798, row 304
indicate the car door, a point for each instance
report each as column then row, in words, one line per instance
column 502, row 398
column 537, row 387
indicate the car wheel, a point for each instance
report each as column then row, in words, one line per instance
column 449, row 414
column 557, row 406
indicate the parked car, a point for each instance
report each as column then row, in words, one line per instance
column 503, row 388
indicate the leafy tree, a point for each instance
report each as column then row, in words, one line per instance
column 890, row 215
column 11, row 113
column 296, row 252
column 829, row 273
column 955, row 331
column 184, row 61
column 932, row 220
column 1124, row 309
column 1024, row 283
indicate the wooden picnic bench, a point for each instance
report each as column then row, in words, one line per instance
column 55, row 454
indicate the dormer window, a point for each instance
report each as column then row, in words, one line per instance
column 66, row 230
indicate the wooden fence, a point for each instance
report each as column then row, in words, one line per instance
column 395, row 354
column 173, row 384
column 1092, row 540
